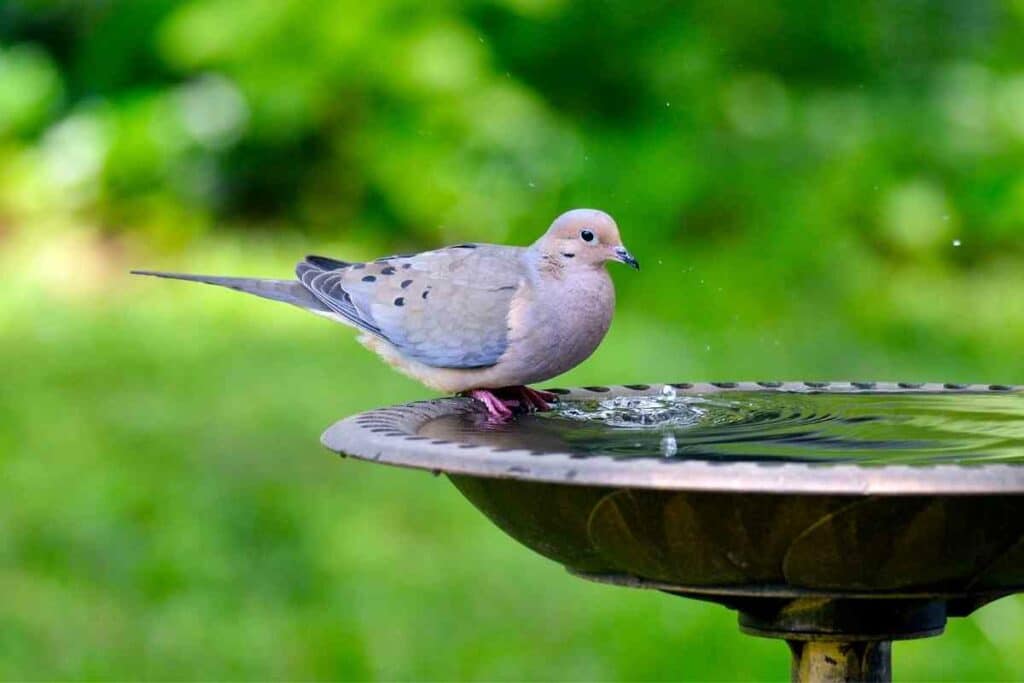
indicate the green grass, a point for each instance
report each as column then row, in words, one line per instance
column 166, row 511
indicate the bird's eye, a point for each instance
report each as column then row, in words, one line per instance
column 587, row 236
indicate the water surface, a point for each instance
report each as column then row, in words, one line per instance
column 861, row 427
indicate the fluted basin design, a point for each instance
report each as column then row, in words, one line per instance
column 797, row 522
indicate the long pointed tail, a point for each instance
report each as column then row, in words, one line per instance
column 288, row 291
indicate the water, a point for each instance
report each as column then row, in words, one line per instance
column 863, row 427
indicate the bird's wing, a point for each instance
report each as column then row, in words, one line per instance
column 447, row 308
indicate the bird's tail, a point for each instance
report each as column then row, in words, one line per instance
column 287, row 291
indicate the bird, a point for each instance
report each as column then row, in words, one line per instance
column 478, row 320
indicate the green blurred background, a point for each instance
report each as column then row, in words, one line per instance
column 816, row 191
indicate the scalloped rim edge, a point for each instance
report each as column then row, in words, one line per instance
column 390, row 436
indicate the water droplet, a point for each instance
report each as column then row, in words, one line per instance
column 957, row 243
column 668, row 445
column 668, row 104
column 668, row 392
column 532, row 184
column 707, row 347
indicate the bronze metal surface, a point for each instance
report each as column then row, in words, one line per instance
column 837, row 559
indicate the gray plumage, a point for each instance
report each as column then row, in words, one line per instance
column 470, row 316
column 445, row 308
column 286, row 291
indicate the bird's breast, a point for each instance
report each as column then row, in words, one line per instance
column 560, row 324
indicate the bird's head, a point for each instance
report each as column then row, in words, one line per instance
column 586, row 237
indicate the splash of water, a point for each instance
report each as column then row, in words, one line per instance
column 664, row 410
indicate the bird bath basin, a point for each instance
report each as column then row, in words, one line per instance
column 837, row 516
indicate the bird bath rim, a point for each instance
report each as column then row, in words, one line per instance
column 391, row 436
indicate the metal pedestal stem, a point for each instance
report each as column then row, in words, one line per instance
column 833, row 636
column 833, row 661
column 837, row 640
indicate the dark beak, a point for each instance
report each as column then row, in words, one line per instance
column 622, row 254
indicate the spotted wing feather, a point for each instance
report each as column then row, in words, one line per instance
column 446, row 308
column 326, row 286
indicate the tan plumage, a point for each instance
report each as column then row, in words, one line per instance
column 472, row 316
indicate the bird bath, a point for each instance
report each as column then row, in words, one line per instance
column 837, row 516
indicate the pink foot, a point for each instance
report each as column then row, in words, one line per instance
column 539, row 400
column 497, row 408
column 503, row 403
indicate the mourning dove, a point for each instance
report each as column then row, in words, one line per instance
column 483, row 320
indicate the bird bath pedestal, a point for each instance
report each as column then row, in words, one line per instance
column 838, row 557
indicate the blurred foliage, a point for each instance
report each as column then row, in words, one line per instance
column 900, row 122
column 816, row 191
column 872, row 148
